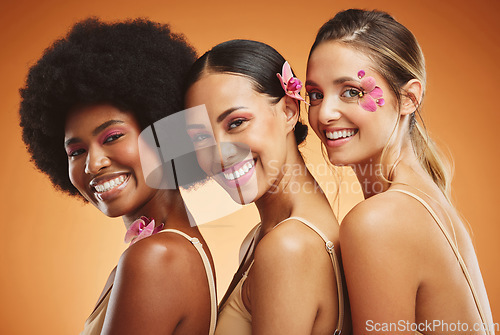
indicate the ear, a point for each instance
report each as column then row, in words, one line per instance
column 290, row 108
column 411, row 96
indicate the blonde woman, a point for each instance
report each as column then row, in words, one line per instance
column 409, row 261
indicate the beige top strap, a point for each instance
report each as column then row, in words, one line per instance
column 455, row 251
column 336, row 267
column 208, row 269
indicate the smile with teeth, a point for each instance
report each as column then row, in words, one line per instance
column 335, row 135
column 240, row 172
column 110, row 184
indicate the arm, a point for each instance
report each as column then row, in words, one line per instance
column 381, row 265
column 147, row 296
column 283, row 293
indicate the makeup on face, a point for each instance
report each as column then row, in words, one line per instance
column 246, row 136
column 103, row 159
column 347, row 110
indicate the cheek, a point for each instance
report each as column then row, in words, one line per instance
column 206, row 158
column 312, row 116
column 75, row 172
column 130, row 155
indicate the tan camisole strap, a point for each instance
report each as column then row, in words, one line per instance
column 208, row 269
column 336, row 268
column 455, row 251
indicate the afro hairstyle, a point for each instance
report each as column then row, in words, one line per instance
column 138, row 66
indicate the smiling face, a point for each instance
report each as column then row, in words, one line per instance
column 104, row 163
column 351, row 134
column 241, row 138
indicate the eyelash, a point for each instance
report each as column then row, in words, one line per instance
column 76, row 152
column 112, row 137
column 313, row 99
column 200, row 137
column 235, row 123
column 351, row 90
column 109, row 139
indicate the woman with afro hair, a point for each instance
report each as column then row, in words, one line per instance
column 84, row 105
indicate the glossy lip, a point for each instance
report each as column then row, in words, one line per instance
column 241, row 181
column 105, row 196
column 340, row 141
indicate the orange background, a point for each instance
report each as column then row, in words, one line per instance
column 55, row 252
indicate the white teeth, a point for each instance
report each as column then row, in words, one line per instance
column 240, row 172
column 110, row 184
column 340, row 133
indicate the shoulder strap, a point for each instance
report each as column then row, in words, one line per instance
column 208, row 269
column 455, row 251
column 336, row 267
column 236, row 278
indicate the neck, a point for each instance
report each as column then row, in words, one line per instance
column 280, row 200
column 166, row 206
column 399, row 165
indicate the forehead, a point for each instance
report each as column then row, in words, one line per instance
column 339, row 59
column 86, row 119
column 221, row 91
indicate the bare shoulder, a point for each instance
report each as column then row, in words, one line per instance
column 158, row 273
column 290, row 244
column 387, row 216
column 156, row 255
column 288, row 280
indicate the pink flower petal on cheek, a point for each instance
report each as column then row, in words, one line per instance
column 368, row 84
column 367, row 104
column 376, row 93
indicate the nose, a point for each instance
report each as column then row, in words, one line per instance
column 329, row 111
column 228, row 152
column 97, row 159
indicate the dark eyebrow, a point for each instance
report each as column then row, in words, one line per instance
column 96, row 131
column 310, row 82
column 227, row 112
column 105, row 125
column 71, row 141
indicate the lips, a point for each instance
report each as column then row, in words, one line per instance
column 107, row 186
column 339, row 136
column 238, row 170
column 342, row 133
column 238, row 174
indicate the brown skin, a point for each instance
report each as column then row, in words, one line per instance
column 397, row 262
column 291, row 287
column 160, row 285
